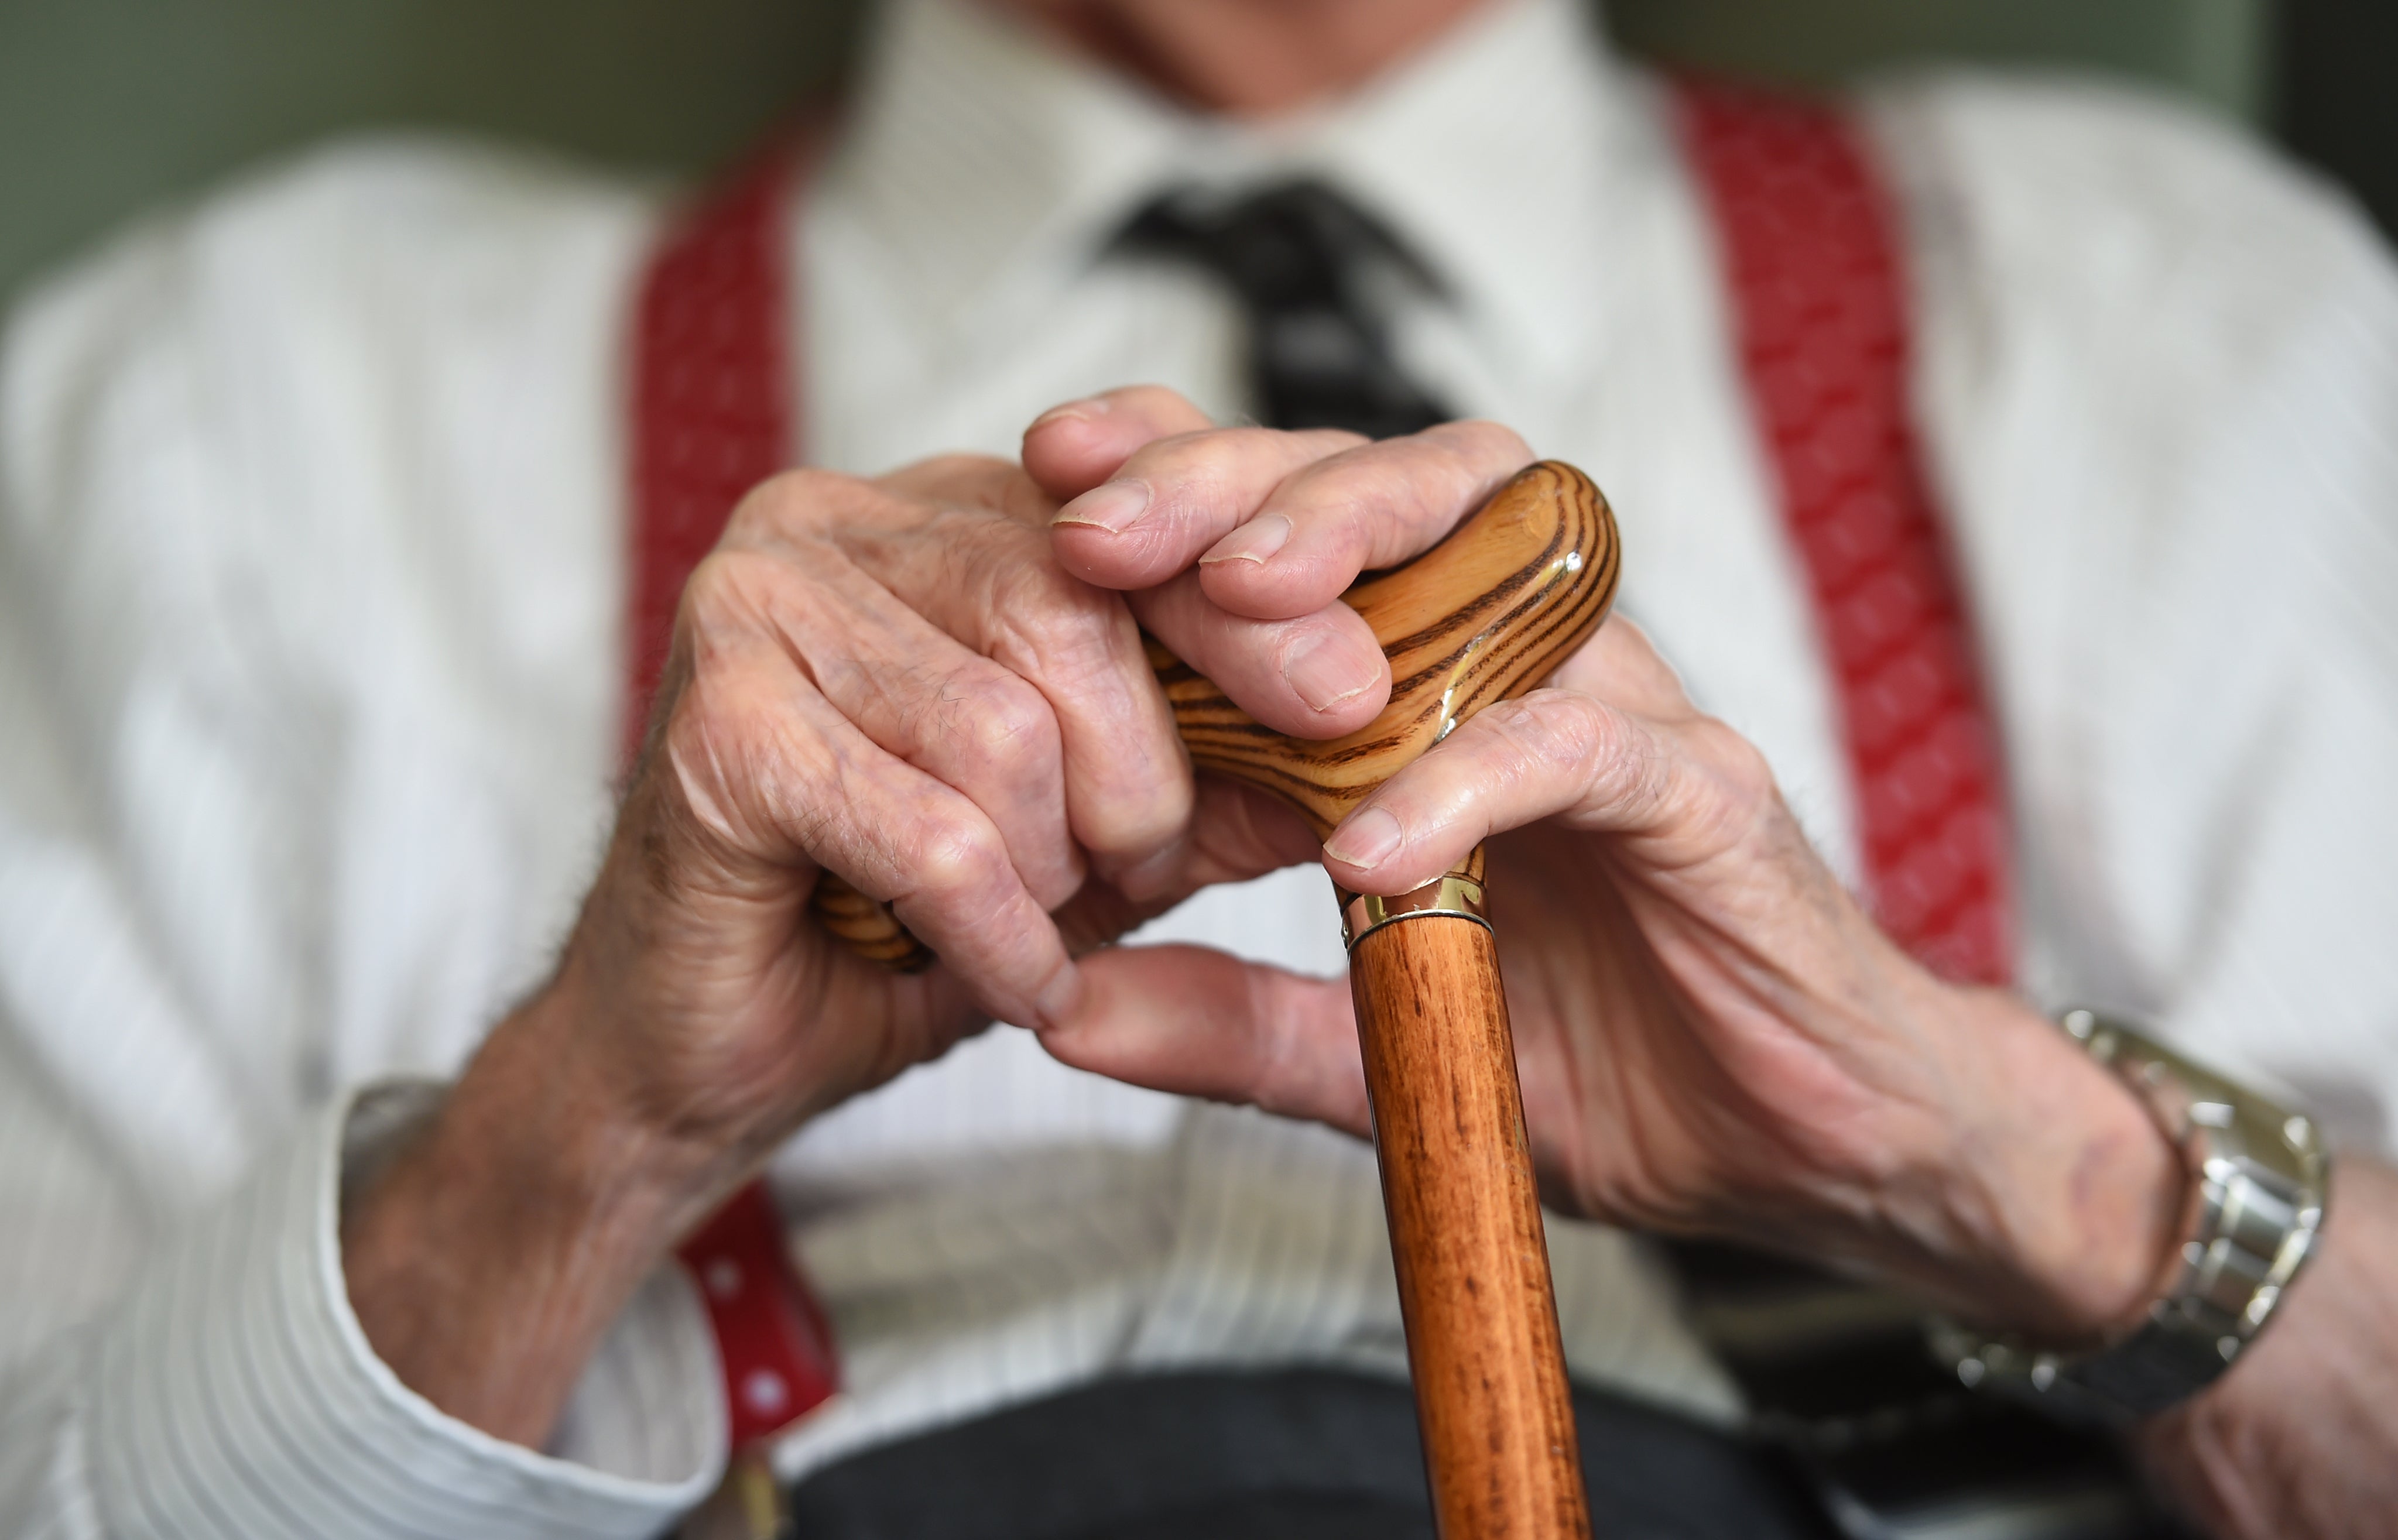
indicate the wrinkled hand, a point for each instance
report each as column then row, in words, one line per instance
column 1713, row 1037
column 897, row 680
column 900, row 681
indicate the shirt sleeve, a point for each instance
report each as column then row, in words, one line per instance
column 246, row 861
column 231, row 1393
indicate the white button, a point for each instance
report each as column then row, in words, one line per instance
column 763, row 1392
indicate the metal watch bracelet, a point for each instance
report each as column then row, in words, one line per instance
column 2257, row 1173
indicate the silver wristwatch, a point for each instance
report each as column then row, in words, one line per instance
column 2257, row 1178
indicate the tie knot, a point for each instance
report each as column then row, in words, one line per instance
column 1292, row 243
column 1315, row 275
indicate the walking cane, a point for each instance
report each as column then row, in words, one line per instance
column 1487, row 612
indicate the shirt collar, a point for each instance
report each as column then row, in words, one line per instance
column 983, row 157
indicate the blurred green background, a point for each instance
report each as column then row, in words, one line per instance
column 108, row 106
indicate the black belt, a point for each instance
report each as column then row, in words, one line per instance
column 1294, row 1453
column 1858, row 1437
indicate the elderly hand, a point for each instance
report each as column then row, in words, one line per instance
column 1713, row 1037
column 897, row 680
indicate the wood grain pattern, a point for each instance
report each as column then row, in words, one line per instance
column 868, row 925
column 1472, row 1257
column 1487, row 613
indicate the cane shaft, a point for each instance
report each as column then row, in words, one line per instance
column 1472, row 1261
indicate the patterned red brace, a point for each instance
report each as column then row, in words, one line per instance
column 771, row 1332
column 1819, row 301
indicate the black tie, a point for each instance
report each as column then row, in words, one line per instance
column 1313, row 273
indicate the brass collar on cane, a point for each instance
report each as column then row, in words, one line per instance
column 1453, row 894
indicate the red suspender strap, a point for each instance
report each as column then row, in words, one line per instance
column 712, row 413
column 712, row 417
column 777, row 1345
column 1820, row 318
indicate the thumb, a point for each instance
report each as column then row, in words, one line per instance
column 1202, row 1023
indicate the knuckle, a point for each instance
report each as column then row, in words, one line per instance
column 955, row 857
column 1557, row 731
column 965, row 465
column 1040, row 620
column 1021, row 574
column 1741, row 772
column 704, row 713
column 720, row 743
column 958, row 477
column 1567, row 739
column 1067, row 635
column 1000, row 720
column 731, row 585
column 1730, row 758
column 1173, row 458
column 1203, row 469
column 1381, row 500
column 1481, row 442
column 719, row 716
column 1319, row 443
column 802, row 497
column 1195, row 476
column 1150, row 393
column 1348, row 495
column 1157, row 403
column 1715, row 784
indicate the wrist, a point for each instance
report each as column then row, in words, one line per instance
column 487, row 1258
column 2064, row 1200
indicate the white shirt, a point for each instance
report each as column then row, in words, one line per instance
column 311, row 534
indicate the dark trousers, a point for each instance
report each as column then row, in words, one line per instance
column 1318, row 1453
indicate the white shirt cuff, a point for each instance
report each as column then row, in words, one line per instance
column 236, row 1396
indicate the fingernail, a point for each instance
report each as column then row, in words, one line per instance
column 1090, row 406
column 1324, row 673
column 1366, row 840
column 1255, row 541
column 1058, row 997
column 1114, row 506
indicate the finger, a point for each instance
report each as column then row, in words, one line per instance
column 1240, row 832
column 1548, row 753
column 1364, row 508
column 768, row 764
column 1199, row 1022
column 993, row 584
column 1176, row 497
column 1320, row 676
column 1237, row 833
column 1621, row 665
column 1071, row 448
column 918, row 694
